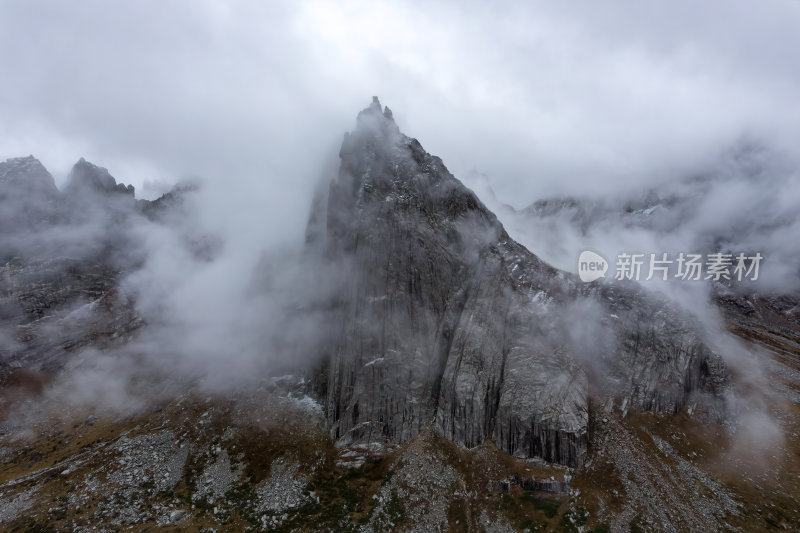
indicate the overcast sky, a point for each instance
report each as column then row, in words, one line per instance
column 546, row 99
column 552, row 98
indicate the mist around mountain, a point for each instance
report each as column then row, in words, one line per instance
column 744, row 200
column 413, row 363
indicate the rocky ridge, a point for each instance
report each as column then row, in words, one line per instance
column 445, row 319
column 62, row 256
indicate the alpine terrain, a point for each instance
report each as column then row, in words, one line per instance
column 440, row 377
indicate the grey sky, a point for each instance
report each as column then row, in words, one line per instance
column 546, row 99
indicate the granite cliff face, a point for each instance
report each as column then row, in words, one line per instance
column 443, row 319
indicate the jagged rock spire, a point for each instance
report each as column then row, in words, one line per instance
column 444, row 319
column 86, row 177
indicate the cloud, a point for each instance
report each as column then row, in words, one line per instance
column 544, row 98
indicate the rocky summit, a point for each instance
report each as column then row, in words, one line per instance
column 448, row 321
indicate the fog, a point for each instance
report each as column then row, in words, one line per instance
column 747, row 200
column 601, row 102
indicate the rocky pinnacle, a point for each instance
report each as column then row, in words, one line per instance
column 444, row 320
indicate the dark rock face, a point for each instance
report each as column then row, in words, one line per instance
column 62, row 255
column 28, row 194
column 51, row 308
column 86, row 178
column 26, row 177
column 772, row 321
column 443, row 319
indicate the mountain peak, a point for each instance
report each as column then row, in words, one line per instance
column 375, row 116
column 378, row 162
column 430, row 263
column 88, row 177
column 26, row 174
column 375, row 107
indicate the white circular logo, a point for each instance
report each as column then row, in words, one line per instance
column 591, row 266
